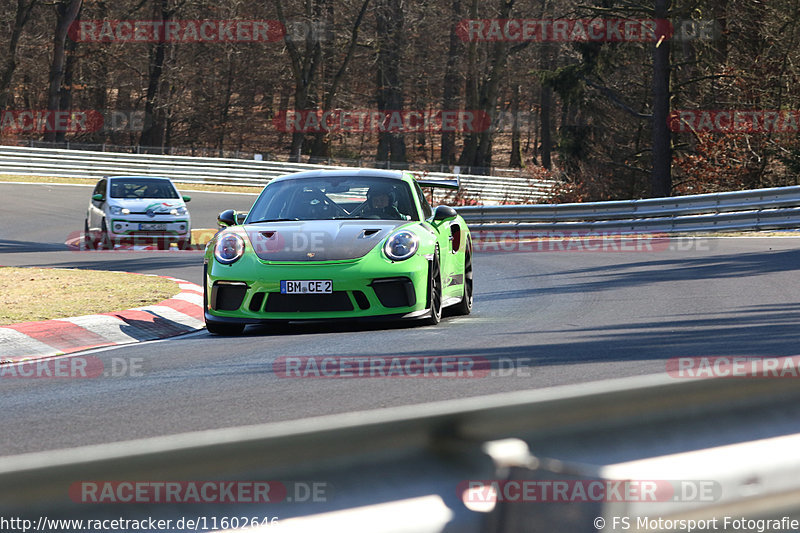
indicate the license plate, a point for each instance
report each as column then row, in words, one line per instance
column 307, row 287
column 152, row 227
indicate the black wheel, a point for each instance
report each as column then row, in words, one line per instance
column 89, row 241
column 185, row 244
column 217, row 328
column 106, row 241
column 435, row 291
column 464, row 307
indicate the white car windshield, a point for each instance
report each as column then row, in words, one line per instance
column 142, row 188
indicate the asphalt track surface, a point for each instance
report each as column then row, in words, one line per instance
column 541, row 319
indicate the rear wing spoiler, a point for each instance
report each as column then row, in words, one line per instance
column 441, row 184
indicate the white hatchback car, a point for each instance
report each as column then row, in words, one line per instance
column 138, row 209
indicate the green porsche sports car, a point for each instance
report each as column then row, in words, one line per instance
column 329, row 244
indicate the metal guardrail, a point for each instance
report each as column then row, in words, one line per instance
column 219, row 171
column 401, row 469
column 775, row 208
column 199, row 151
column 759, row 209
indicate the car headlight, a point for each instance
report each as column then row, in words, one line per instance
column 229, row 248
column 178, row 211
column 401, row 245
column 117, row 210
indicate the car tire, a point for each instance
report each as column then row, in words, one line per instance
column 106, row 241
column 464, row 307
column 434, row 291
column 217, row 328
column 88, row 239
column 185, row 244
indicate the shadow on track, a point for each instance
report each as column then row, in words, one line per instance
column 21, row 247
column 621, row 275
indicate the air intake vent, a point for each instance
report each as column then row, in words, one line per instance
column 367, row 233
column 308, row 303
column 227, row 295
column 257, row 301
column 361, row 300
column 395, row 292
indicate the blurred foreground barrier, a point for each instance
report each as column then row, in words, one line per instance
column 640, row 453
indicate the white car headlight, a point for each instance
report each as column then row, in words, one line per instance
column 229, row 248
column 117, row 210
column 401, row 245
column 178, row 211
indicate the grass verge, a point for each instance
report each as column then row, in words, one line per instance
column 31, row 294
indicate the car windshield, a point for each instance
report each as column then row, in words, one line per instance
column 335, row 198
column 142, row 188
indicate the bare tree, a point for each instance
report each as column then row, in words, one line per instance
column 22, row 15
column 156, row 126
column 389, row 80
column 66, row 12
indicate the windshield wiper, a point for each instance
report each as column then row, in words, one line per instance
column 274, row 220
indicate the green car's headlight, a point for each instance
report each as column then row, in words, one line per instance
column 401, row 245
column 229, row 248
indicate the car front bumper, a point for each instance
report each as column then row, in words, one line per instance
column 361, row 289
column 133, row 226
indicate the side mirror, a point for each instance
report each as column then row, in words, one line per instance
column 97, row 197
column 227, row 218
column 240, row 217
column 444, row 212
column 187, row 198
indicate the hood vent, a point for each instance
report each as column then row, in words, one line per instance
column 367, row 233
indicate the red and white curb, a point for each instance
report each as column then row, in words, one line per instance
column 183, row 313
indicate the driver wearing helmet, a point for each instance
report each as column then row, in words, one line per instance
column 380, row 203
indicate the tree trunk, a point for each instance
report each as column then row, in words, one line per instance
column 65, row 100
column 23, row 14
column 662, row 150
column 66, row 13
column 389, row 19
column 477, row 150
column 153, row 133
column 546, row 124
column 304, row 69
column 452, row 77
column 516, row 146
